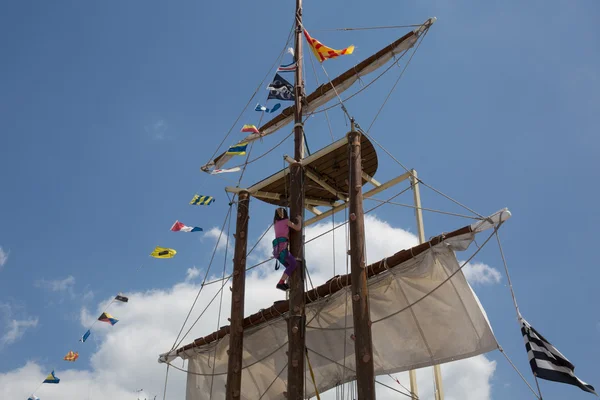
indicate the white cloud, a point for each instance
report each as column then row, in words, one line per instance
column 150, row 322
column 215, row 234
column 479, row 273
column 3, row 257
column 59, row 285
column 13, row 328
column 191, row 274
column 16, row 329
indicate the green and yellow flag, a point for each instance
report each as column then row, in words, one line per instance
column 162, row 252
column 201, row 200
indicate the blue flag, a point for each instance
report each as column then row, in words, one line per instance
column 51, row 378
column 85, row 336
column 259, row 107
column 281, row 89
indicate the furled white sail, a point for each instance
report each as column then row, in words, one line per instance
column 420, row 316
column 325, row 92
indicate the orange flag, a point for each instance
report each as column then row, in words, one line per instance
column 323, row 52
column 71, row 356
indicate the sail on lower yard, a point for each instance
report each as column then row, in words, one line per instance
column 414, row 325
column 325, row 92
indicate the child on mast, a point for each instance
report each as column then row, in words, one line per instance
column 282, row 225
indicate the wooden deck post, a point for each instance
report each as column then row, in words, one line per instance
column 238, row 288
column 363, row 345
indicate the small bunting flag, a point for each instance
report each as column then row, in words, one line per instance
column 71, row 356
column 199, row 200
column 85, row 336
column 162, row 252
column 238, row 150
column 291, row 67
column 323, row 52
column 121, row 298
column 281, row 89
column 51, row 378
column 249, row 128
column 222, row 171
column 260, row 107
column 180, row 227
column 106, row 317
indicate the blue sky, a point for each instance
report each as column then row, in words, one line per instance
column 109, row 109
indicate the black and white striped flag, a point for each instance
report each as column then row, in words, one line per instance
column 547, row 362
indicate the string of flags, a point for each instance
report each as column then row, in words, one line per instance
column 158, row 252
column 72, row 356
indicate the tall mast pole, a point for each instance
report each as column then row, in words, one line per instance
column 363, row 344
column 437, row 372
column 238, row 289
column 296, row 321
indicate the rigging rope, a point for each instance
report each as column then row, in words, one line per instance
column 414, row 395
column 398, row 80
column 367, row 28
column 255, row 92
column 512, row 293
column 419, row 180
column 312, row 374
column 426, row 209
column 220, row 303
column 312, row 63
column 395, row 63
column 166, row 381
column 228, row 215
column 351, row 370
column 343, row 224
column 518, row 372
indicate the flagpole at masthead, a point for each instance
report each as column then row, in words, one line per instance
column 296, row 321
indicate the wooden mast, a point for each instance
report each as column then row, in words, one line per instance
column 296, row 320
column 363, row 344
column 236, row 333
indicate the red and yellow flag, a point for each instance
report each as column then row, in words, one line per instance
column 71, row 356
column 323, row 52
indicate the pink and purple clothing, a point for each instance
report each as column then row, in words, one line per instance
column 282, row 230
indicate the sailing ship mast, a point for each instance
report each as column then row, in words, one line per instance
column 297, row 317
column 346, row 187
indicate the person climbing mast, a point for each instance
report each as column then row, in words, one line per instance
column 282, row 225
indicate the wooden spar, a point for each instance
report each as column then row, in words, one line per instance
column 324, row 93
column 437, row 371
column 330, row 287
column 363, row 343
column 238, row 288
column 296, row 320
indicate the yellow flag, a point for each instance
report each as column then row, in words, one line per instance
column 162, row 252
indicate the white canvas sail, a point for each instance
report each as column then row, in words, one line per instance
column 420, row 318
